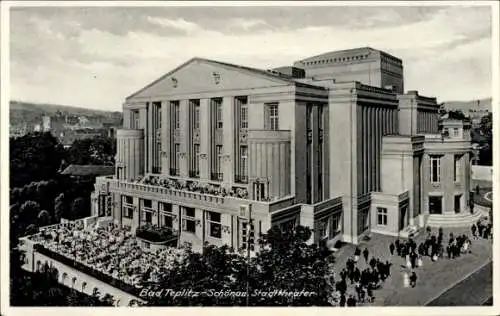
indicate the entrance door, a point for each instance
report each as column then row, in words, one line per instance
column 403, row 213
column 435, row 205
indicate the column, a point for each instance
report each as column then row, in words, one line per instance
column 228, row 139
column 377, row 153
column 143, row 124
column 369, row 147
column 149, row 132
column 184, row 136
column 314, row 152
column 365, row 156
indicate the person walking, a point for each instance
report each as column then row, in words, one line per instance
column 413, row 279
column 357, row 253
column 473, row 230
column 365, row 254
column 391, row 248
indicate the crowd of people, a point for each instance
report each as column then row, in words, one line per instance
column 482, row 229
column 365, row 281
column 194, row 186
column 112, row 251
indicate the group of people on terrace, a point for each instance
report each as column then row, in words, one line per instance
column 112, row 251
column 195, row 186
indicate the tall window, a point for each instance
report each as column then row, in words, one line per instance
column 147, row 211
column 336, row 225
column 166, row 215
column 457, row 203
column 195, row 107
column 435, row 169
column 134, row 119
column 456, row 132
column 175, row 160
column 219, row 153
column 381, row 216
column 247, row 235
column 456, row 171
column 272, row 116
column 177, row 115
column 196, row 157
column 189, row 220
column 243, row 163
column 323, row 228
column 214, row 225
column 218, row 113
column 309, row 117
column 244, row 115
column 127, row 207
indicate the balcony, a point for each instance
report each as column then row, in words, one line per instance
column 241, row 178
column 216, row 176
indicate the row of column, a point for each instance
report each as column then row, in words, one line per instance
column 427, row 121
column 375, row 122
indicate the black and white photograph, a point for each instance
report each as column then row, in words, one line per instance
column 249, row 154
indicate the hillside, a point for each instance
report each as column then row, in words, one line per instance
column 464, row 106
column 21, row 112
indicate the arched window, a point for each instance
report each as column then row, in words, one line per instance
column 73, row 281
column 84, row 285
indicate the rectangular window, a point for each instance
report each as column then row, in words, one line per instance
column 323, row 228
column 175, row 160
column 272, row 117
column 195, row 108
column 381, row 216
column 189, row 220
column 435, row 169
column 321, row 117
column 196, row 158
column 456, row 169
column 288, row 226
column 244, row 115
column 166, row 215
column 309, row 116
column 243, row 163
column 335, row 226
column 177, row 115
column 147, row 203
column 128, row 207
column 457, row 203
column 456, row 132
column 134, row 119
column 247, row 234
column 147, row 216
column 218, row 112
column 435, row 205
column 214, row 225
column 219, row 153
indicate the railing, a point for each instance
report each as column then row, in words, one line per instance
column 125, row 287
column 216, row 176
column 241, row 178
column 154, row 189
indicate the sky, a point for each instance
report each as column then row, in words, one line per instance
column 97, row 56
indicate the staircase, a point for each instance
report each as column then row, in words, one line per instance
column 454, row 220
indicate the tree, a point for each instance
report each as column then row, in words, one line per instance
column 34, row 157
column 92, row 151
column 286, row 262
column 77, row 208
column 59, row 207
column 43, row 218
column 29, row 211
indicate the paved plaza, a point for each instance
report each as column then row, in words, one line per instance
column 434, row 278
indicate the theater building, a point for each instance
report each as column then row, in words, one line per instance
column 221, row 152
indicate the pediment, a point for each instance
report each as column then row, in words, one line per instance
column 202, row 75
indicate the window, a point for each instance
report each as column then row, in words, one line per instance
column 218, row 150
column 309, row 117
column 128, row 207
column 134, row 119
column 243, row 162
column 166, row 215
column 218, row 112
column 175, row 160
column 244, row 115
column 214, row 225
column 456, row 169
column 321, row 118
column 435, row 205
column 435, row 169
column 147, row 203
column 457, row 203
column 335, row 226
column 323, row 228
column 288, row 226
column 189, row 221
column 272, row 117
column 175, row 114
column 147, row 216
column 456, row 132
column 196, row 158
column 381, row 216
column 195, row 107
column 247, row 235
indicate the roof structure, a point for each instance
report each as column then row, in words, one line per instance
column 89, row 170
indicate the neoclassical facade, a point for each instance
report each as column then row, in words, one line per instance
column 219, row 153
